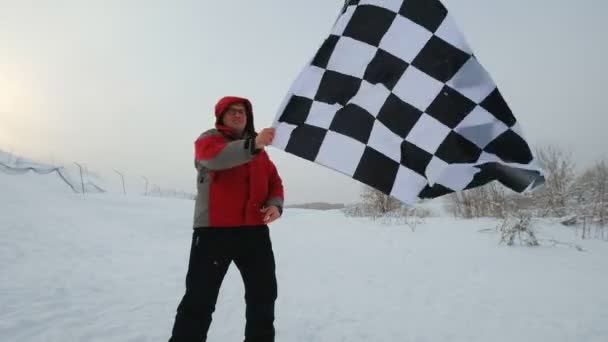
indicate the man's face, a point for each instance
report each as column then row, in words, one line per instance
column 235, row 117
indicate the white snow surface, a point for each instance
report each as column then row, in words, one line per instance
column 108, row 267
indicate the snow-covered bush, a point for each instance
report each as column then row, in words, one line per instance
column 517, row 230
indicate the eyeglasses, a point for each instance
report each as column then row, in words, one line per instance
column 234, row 111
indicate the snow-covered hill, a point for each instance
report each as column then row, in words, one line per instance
column 108, row 267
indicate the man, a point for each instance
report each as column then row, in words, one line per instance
column 239, row 193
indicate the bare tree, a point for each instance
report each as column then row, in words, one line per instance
column 591, row 192
column 559, row 177
column 377, row 202
column 491, row 200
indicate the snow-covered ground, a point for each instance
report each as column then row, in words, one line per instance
column 108, row 267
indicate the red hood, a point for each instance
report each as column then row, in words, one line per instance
column 226, row 101
column 221, row 107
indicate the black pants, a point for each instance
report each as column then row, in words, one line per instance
column 212, row 251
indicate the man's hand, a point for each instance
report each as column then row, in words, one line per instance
column 271, row 213
column 264, row 138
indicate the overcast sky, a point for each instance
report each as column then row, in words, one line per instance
column 131, row 84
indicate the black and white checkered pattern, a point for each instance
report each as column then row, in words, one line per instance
column 396, row 99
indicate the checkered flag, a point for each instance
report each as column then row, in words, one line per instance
column 395, row 99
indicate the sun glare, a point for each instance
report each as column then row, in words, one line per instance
column 15, row 105
column 12, row 94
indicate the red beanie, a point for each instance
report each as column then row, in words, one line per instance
column 226, row 101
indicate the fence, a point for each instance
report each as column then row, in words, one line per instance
column 60, row 171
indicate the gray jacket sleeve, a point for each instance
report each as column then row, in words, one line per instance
column 277, row 202
column 235, row 153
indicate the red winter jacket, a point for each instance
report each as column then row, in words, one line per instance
column 234, row 181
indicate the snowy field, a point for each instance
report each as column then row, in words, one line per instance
column 111, row 268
